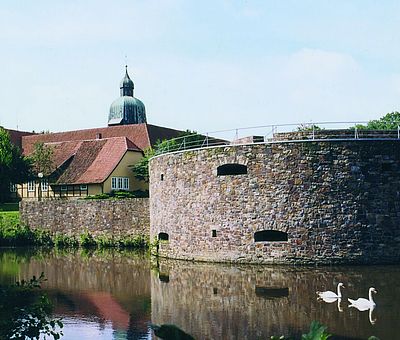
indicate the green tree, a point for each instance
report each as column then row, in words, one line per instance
column 42, row 159
column 389, row 121
column 25, row 312
column 186, row 140
column 308, row 127
column 141, row 168
column 13, row 167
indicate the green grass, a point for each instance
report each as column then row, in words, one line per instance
column 9, row 218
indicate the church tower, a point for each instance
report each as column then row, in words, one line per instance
column 126, row 109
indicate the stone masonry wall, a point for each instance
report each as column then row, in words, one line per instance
column 338, row 202
column 99, row 217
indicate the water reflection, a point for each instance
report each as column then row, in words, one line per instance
column 105, row 295
column 213, row 301
column 115, row 295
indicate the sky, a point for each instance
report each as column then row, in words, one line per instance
column 199, row 65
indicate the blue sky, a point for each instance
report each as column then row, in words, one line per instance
column 201, row 65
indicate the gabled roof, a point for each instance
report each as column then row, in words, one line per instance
column 141, row 135
column 89, row 161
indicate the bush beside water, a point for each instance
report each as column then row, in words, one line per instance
column 12, row 233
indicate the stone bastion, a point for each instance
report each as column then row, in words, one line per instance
column 289, row 201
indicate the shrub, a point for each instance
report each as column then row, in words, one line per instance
column 65, row 241
column 86, row 240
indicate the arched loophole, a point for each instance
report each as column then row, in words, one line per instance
column 270, row 235
column 163, row 277
column 231, row 169
column 163, row 236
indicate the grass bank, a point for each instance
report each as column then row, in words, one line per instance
column 12, row 233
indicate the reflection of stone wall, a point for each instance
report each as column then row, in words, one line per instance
column 111, row 217
column 118, row 273
column 215, row 301
column 338, row 201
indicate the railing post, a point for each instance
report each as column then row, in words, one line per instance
column 398, row 132
column 355, row 132
column 313, row 131
column 184, row 142
column 207, row 139
column 237, row 134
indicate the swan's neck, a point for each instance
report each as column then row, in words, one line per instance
column 339, row 293
column 370, row 297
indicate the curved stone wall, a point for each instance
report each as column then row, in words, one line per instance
column 329, row 201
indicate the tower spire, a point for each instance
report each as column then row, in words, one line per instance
column 126, row 86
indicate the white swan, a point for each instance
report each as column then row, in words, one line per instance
column 363, row 304
column 327, row 295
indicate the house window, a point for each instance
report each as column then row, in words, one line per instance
column 13, row 187
column 231, row 169
column 83, row 187
column 64, row 188
column 119, row 183
column 45, row 185
column 126, row 183
column 31, row 186
column 270, row 235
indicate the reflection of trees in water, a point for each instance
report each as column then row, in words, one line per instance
column 25, row 311
column 246, row 302
column 107, row 286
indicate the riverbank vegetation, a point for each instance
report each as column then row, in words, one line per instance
column 12, row 233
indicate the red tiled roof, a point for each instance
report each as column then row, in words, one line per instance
column 89, row 161
column 142, row 135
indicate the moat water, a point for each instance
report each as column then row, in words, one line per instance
column 118, row 295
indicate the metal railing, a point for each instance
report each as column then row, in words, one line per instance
column 277, row 133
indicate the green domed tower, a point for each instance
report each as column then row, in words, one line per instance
column 126, row 109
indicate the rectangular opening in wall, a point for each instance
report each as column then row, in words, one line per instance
column 231, row 169
column 270, row 236
column 162, row 177
column 214, row 233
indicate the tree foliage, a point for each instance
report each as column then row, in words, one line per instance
column 24, row 312
column 188, row 139
column 308, row 127
column 42, row 159
column 390, row 121
column 13, row 167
